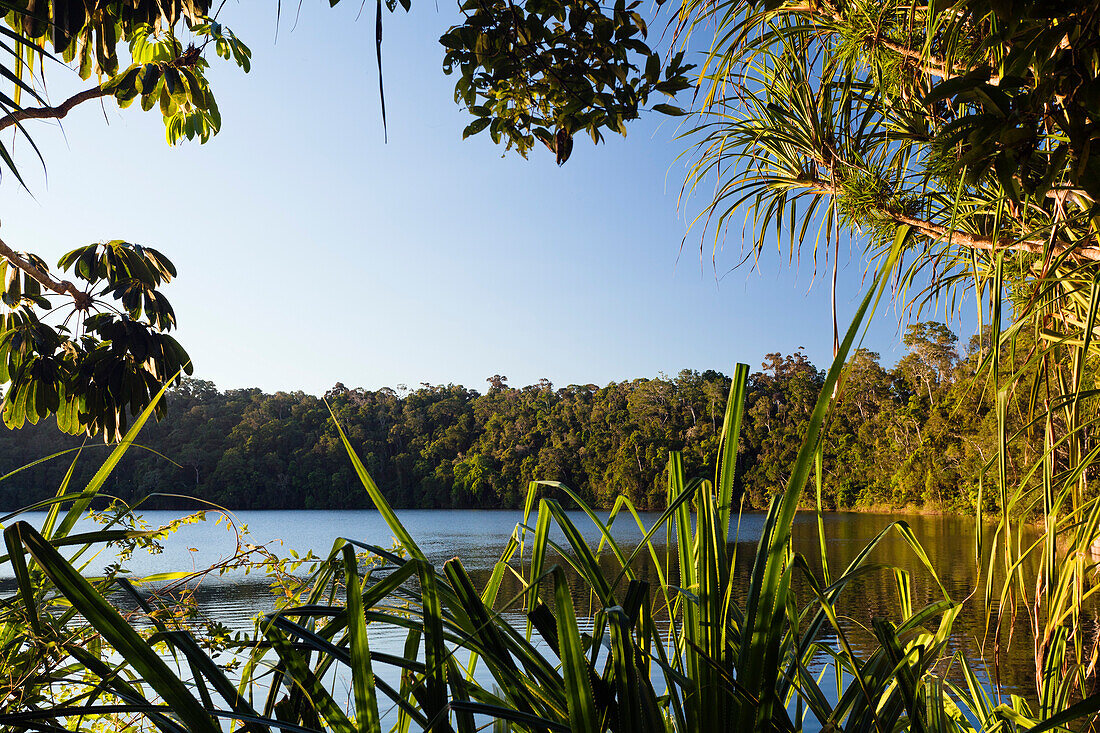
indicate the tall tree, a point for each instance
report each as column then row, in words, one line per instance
column 931, row 356
column 962, row 134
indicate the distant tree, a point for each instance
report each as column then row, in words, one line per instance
column 446, row 446
column 931, row 356
column 780, row 401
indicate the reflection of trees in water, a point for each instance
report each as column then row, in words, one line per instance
column 949, row 542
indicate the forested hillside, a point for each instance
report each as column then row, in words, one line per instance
column 917, row 434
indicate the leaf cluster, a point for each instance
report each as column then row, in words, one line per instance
column 89, row 37
column 546, row 70
column 90, row 32
column 962, row 132
column 110, row 352
column 107, row 356
column 165, row 73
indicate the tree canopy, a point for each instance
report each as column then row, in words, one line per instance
column 896, row 439
column 965, row 125
column 959, row 136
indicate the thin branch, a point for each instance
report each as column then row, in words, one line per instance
column 929, row 64
column 82, row 300
column 977, row 241
column 828, row 158
column 1033, row 246
column 52, row 113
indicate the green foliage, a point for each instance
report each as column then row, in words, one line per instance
column 162, row 70
column 919, row 434
column 104, row 351
column 871, row 115
column 110, row 354
column 61, row 640
column 165, row 73
column 547, row 70
column 724, row 661
column 41, row 645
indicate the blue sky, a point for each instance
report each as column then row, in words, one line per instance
column 310, row 252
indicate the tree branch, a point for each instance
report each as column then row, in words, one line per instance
column 52, row 113
column 82, row 300
column 928, row 64
column 828, row 158
column 976, row 241
column 1033, row 246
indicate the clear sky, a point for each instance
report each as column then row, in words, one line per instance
column 311, row 252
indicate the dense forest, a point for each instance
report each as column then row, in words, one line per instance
column 916, row 435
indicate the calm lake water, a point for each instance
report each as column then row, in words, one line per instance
column 477, row 537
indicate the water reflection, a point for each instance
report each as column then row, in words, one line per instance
column 477, row 537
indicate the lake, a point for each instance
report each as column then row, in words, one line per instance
column 477, row 537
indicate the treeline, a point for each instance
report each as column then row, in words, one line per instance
column 917, row 434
